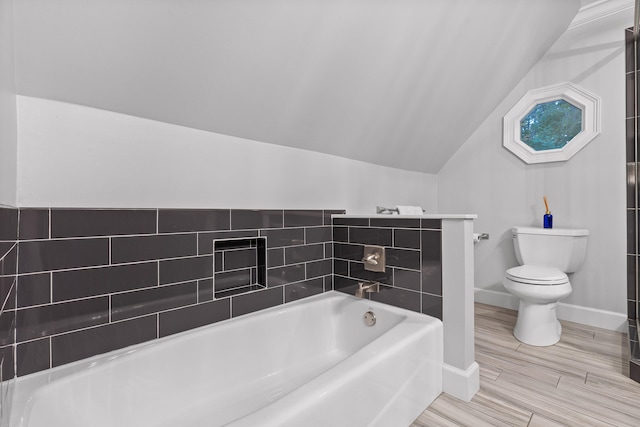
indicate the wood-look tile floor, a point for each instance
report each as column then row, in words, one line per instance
column 580, row 381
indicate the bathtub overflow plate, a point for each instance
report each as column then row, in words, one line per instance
column 369, row 318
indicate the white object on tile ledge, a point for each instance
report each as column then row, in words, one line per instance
column 410, row 210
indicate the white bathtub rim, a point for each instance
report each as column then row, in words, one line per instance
column 28, row 385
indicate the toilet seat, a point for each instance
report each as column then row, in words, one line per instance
column 537, row 275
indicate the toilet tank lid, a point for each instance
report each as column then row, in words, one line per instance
column 551, row 231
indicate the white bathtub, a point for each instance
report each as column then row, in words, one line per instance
column 313, row 362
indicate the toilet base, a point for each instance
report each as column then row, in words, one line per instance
column 537, row 324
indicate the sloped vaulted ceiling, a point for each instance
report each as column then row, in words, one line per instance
column 400, row 83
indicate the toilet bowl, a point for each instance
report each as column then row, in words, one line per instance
column 539, row 289
column 541, row 281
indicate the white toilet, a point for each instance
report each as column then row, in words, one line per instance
column 545, row 256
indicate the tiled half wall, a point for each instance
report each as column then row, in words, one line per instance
column 413, row 246
column 88, row 281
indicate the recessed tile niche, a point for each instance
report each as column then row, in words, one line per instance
column 239, row 266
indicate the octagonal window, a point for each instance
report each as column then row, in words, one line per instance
column 551, row 125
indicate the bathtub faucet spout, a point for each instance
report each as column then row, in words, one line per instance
column 367, row 287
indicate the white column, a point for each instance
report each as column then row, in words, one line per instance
column 461, row 374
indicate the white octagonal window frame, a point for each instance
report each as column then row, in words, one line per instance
column 575, row 95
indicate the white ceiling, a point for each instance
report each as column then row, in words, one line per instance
column 401, row 83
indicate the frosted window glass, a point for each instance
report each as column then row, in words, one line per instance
column 551, row 125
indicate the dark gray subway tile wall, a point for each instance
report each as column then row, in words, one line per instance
column 306, row 288
column 89, row 281
column 413, row 277
column 100, row 222
column 283, row 237
column 8, row 289
column 243, row 219
column 48, row 255
column 128, row 305
column 185, row 269
column 51, row 319
column 304, row 218
column 633, row 193
column 183, row 319
column 159, row 246
column 431, row 261
column 85, row 343
column 179, row 220
column 35, row 224
column 8, row 224
column 35, row 289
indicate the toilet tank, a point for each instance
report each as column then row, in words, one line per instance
column 562, row 248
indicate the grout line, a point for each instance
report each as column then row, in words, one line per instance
column 530, row 418
column 122, row 264
column 14, row 284
column 109, row 294
column 124, row 236
column 149, row 314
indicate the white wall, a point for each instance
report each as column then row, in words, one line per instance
column 8, row 141
column 76, row 156
column 588, row 191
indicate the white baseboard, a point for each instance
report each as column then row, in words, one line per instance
column 573, row 313
column 499, row 299
column 461, row 384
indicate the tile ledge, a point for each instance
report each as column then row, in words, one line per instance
column 425, row 216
